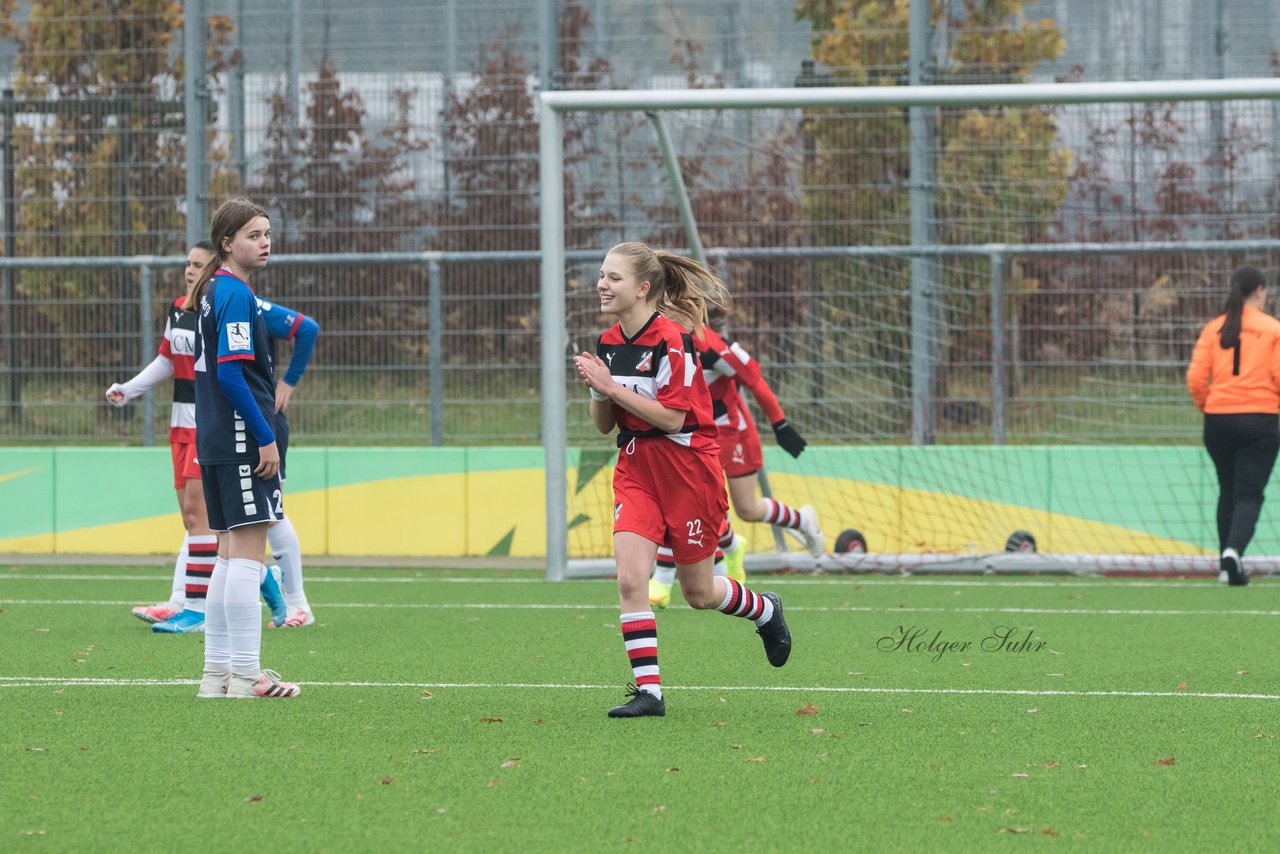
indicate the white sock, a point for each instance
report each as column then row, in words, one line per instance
column 217, row 648
column 244, row 615
column 287, row 552
column 178, row 593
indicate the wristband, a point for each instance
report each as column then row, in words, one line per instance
column 595, row 395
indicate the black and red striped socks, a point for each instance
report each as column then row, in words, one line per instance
column 739, row 601
column 202, row 552
column 640, row 636
column 777, row 513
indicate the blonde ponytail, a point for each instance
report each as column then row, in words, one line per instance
column 691, row 290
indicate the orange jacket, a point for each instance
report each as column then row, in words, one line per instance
column 1218, row 387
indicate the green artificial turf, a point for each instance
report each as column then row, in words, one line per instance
column 466, row 710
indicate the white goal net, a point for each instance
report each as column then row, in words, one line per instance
column 999, row 387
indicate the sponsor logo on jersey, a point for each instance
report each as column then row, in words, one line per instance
column 183, row 342
column 238, row 337
column 608, row 357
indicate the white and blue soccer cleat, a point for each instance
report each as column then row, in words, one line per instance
column 272, row 595
column 184, row 622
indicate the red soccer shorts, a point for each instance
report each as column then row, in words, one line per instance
column 185, row 465
column 740, row 451
column 670, row 495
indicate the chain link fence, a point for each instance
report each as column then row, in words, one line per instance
column 1063, row 344
column 400, row 127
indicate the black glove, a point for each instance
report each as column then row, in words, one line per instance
column 789, row 438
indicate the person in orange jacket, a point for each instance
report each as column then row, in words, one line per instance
column 1234, row 378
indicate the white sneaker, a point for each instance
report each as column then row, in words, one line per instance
column 1231, row 564
column 156, row 613
column 809, row 530
column 214, row 683
column 299, row 617
column 266, row 684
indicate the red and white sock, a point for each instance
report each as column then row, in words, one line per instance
column 739, row 601
column 202, row 552
column 665, row 570
column 640, row 636
column 777, row 513
column 727, row 538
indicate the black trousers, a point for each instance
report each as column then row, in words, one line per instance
column 1243, row 448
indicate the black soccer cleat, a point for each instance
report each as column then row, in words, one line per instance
column 1234, row 568
column 642, row 704
column 775, row 634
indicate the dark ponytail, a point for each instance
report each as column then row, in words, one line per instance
column 1244, row 282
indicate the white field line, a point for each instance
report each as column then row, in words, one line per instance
column 149, row 577
column 843, row 580
column 78, row 681
column 834, row 609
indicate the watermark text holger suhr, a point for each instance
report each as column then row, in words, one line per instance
column 921, row 639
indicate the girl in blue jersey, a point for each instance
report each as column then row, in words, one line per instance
column 282, row 588
column 237, row 449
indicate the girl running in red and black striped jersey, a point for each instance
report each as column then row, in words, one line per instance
column 725, row 365
column 668, row 485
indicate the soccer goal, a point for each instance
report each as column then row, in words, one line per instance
column 987, row 360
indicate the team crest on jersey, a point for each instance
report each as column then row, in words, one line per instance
column 646, row 361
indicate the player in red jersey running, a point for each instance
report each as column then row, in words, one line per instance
column 668, row 485
column 725, row 365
